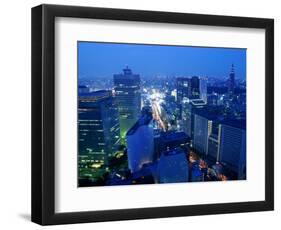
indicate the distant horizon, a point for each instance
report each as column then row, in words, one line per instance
column 103, row 60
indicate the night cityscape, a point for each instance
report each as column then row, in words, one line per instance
column 152, row 114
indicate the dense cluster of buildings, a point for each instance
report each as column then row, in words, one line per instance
column 161, row 131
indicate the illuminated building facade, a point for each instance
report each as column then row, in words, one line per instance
column 195, row 88
column 183, row 88
column 233, row 147
column 191, row 88
column 214, row 147
column 203, row 89
column 202, row 130
column 128, row 98
column 98, row 125
column 189, row 108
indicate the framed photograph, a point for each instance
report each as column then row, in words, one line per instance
column 142, row 114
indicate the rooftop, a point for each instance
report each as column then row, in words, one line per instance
column 96, row 95
column 197, row 102
column 240, row 124
column 173, row 135
column 127, row 71
column 211, row 116
column 127, row 74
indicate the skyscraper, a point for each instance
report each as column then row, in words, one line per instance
column 188, row 88
column 233, row 146
column 83, row 89
column 140, row 143
column 231, row 81
column 98, row 124
column 189, row 108
column 183, row 88
column 207, row 130
column 128, row 98
column 214, row 144
column 195, row 87
column 202, row 130
column 203, row 88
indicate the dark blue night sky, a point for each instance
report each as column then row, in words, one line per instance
column 105, row 59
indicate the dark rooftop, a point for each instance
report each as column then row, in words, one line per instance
column 173, row 135
column 198, row 102
column 127, row 74
column 240, row 124
column 209, row 114
column 96, row 95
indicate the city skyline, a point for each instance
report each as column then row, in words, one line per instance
column 97, row 59
column 137, row 130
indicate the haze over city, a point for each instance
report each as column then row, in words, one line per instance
column 103, row 59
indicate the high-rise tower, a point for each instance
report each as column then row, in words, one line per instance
column 233, row 147
column 140, row 143
column 98, row 124
column 128, row 98
column 231, row 83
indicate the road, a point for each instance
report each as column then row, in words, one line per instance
column 156, row 110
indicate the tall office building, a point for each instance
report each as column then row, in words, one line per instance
column 202, row 131
column 189, row 108
column 213, row 99
column 231, row 81
column 83, row 89
column 188, row 88
column 203, row 88
column 191, row 88
column 172, row 166
column 183, row 88
column 233, row 147
column 128, row 97
column 214, row 143
column 140, row 143
column 195, row 87
column 98, row 124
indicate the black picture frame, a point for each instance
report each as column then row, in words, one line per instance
column 43, row 114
